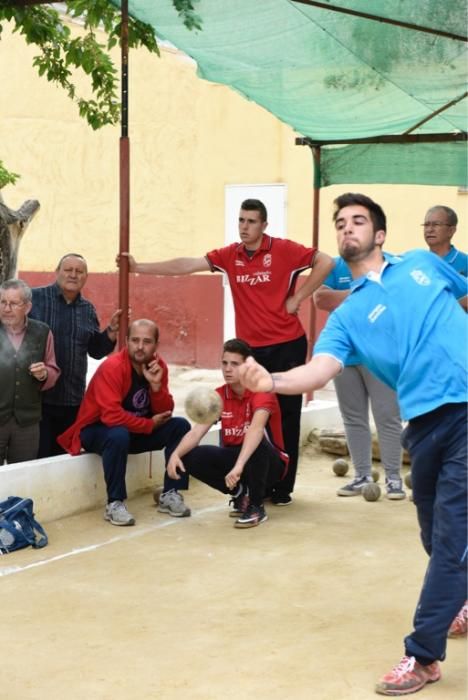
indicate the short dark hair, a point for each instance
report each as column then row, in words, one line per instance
column 255, row 205
column 452, row 218
column 240, row 347
column 376, row 212
column 70, row 255
column 144, row 322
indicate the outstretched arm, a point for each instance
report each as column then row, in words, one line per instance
column 309, row 377
column 176, row 266
column 323, row 264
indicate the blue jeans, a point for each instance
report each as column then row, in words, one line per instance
column 437, row 445
column 115, row 443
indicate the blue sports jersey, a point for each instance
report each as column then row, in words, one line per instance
column 340, row 277
column 408, row 329
column 458, row 260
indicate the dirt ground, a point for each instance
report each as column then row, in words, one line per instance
column 312, row 604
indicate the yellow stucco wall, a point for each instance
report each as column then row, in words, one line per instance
column 189, row 138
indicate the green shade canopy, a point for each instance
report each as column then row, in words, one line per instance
column 338, row 77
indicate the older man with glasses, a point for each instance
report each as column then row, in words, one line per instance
column 440, row 224
column 27, row 368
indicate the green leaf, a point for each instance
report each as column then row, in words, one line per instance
column 7, row 177
column 60, row 53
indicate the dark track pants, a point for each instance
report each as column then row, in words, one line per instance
column 55, row 420
column 210, row 464
column 116, row 443
column 437, row 444
column 280, row 358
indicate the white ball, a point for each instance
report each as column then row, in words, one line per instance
column 203, row 405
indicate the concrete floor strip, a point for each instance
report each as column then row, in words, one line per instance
column 129, row 534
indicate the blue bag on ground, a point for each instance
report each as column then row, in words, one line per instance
column 18, row 527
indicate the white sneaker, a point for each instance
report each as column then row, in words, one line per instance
column 117, row 514
column 172, row 502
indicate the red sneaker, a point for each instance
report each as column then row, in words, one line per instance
column 459, row 626
column 408, row 677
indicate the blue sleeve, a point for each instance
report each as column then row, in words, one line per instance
column 458, row 284
column 334, row 340
column 333, row 279
column 340, row 277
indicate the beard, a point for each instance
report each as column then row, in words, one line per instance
column 140, row 358
column 355, row 252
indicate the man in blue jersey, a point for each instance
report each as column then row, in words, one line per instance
column 404, row 320
column 440, row 224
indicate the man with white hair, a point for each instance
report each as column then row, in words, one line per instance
column 27, row 369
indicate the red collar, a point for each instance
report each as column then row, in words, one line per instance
column 265, row 245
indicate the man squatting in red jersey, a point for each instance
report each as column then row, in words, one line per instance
column 251, row 457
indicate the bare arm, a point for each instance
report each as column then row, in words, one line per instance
column 464, row 303
column 329, row 299
column 188, row 442
column 315, row 374
column 252, row 440
column 323, row 264
column 176, row 266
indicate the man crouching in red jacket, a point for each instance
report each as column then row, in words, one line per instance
column 127, row 409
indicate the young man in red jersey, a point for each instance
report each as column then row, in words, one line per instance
column 251, row 457
column 262, row 272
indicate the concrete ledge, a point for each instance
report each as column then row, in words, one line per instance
column 320, row 414
column 62, row 486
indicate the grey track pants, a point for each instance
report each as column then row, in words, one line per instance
column 355, row 387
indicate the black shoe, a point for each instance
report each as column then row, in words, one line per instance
column 281, row 499
column 254, row 515
column 239, row 505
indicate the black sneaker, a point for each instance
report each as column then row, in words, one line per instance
column 281, row 499
column 253, row 516
column 239, row 505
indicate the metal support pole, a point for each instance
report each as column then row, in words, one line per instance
column 315, row 243
column 124, row 171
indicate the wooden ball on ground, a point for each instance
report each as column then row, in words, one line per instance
column 203, row 405
column 156, row 494
column 340, row 467
column 408, row 480
column 375, row 475
column 371, row 492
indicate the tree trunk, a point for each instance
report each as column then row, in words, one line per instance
column 13, row 225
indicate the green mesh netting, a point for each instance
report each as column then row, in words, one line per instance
column 333, row 76
column 416, row 164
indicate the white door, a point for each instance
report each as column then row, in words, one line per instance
column 274, row 198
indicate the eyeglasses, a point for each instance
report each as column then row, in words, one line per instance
column 11, row 304
column 434, row 224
